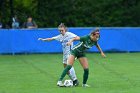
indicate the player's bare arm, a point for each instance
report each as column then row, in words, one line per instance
column 99, row 48
column 73, row 39
column 46, row 39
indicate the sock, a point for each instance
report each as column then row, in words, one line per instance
column 72, row 74
column 67, row 68
column 85, row 76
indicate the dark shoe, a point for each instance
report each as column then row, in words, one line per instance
column 75, row 82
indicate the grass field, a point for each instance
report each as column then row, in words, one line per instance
column 38, row 73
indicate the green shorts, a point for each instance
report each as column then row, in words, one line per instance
column 78, row 54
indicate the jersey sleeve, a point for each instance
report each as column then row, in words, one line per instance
column 56, row 37
column 83, row 38
column 73, row 35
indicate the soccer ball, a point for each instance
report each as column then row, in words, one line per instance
column 68, row 83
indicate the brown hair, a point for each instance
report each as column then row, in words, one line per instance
column 62, row 25
column 95, row 31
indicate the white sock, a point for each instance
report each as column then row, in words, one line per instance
column 72, row 74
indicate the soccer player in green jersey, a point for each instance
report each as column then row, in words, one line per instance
column 86, row 42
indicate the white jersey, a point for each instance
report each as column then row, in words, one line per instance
column 64, row 39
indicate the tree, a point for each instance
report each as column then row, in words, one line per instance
column 75, row 13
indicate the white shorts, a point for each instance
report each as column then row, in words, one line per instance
column 65, row 59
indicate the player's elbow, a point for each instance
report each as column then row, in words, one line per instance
column 77, row 38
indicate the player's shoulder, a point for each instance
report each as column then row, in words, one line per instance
column 85, row 36
column 69, row 33
column 60, row 35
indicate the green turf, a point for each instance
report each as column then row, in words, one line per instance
column 38, row 73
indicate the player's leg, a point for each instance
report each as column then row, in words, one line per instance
column 73, row 76
column 65, row 57
column 67, row 68
column 71, row 72
column 84, row 63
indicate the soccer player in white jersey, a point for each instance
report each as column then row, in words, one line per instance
column 64, row 37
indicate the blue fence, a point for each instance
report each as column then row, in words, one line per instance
column 25, row 41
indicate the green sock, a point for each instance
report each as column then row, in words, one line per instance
column 85, row 76
column 67, row 68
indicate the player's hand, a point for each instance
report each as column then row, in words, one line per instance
column 103, row 55
column 39, row 38
column 68, row 43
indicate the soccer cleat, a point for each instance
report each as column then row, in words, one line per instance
column 60, row 84
column 85, row 85
column 75, row 82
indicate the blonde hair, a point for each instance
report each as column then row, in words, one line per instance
column 62, row 25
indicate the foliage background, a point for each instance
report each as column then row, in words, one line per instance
column 75, row 13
